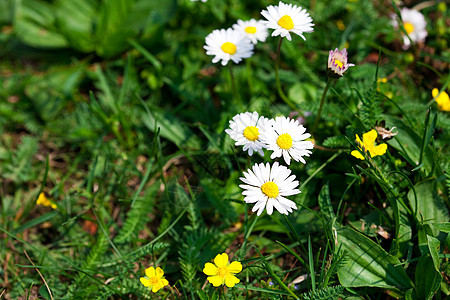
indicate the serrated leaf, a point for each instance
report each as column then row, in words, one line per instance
column 367, row 264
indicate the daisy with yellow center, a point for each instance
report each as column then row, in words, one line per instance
column 286, row 137
column 442, row 99
column 44, row 201
column 246, row 128
column 254, row 30
column 267, row 186
column 154, row 279
column 228, row 45
column 286, row 19
column 222, row 272
column 414, row 24
column 368, row 145
column 338, row 62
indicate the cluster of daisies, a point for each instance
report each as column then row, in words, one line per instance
column 265, row 185
column 238, row 42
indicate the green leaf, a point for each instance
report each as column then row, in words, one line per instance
column 367, row 264
column 303, row 93
column 171, row 128
column 409, row 143
column 325, row 202
column 76, row 20
column 35, row 24
column 444, row 227
column 429, row 204
column 433, row 247
column 428, row 279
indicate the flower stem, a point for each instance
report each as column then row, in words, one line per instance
column 277, row 77
column 233, row 85
column 322, row 101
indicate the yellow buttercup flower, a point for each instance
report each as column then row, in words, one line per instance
column 154, row 279
column 222, row 272
column 44, row 201
column 368, row 144
column 442, row 99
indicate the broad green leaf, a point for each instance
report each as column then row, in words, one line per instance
column 433, row 248
column 76, row 20
column 303, row 92
column 367, row 264
column 444, row 227
column 35, row 25
column 409, row 143
column 112, row 33
column 401, row 243
column 428, row 279
column 429, row 205
column 6, row 11
column 171, row 128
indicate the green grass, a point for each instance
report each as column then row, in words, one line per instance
column 115, row 112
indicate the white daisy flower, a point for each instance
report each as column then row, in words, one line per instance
column 338, row 61
column 228, row 44
column 287, row 138
column 252, row 29
column 268, row 186
column 287, row 18
column 246, row 129
column 415, row 25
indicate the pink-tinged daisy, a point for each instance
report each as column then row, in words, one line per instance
column 287, row 18
column 338, row 62
column 267, row 186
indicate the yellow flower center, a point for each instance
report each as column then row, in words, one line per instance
column 222, row 272
column 284, row 141
column 270, row 189
column 408, row 27
column 229, row 48
column 286, row 22
column 338, row 63
column 153, row 280
column 250, row 29
column 251, row 133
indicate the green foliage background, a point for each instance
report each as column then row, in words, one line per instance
column 115, row 112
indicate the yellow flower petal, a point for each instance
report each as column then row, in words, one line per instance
column 215, row 280
column 164, row 282
column 159, row 272
column 156, row 288
column 369, row 138
column 434, row 92
column 235, row 267
column 221, row 260
column 145, row 281
column 231, row 280
column 210, row 269
column 378, row 150
column 356, row 154
column 150, row 272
